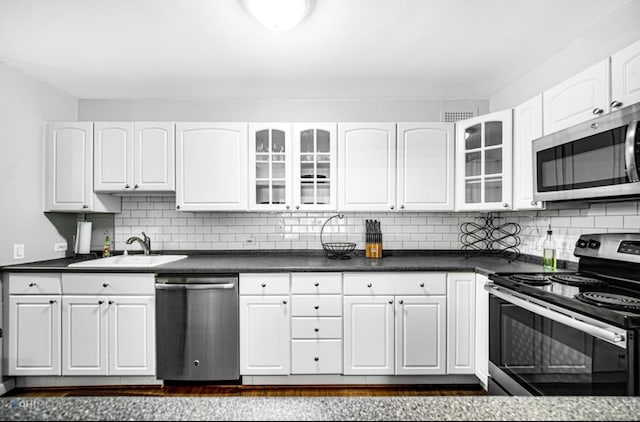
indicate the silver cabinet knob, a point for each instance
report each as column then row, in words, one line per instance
column 136, row 186
column 177, row 207
column 369, row 284
column 297, row 207
column 421, row 284
column 85, row 206
column 391, row 302
column 392, row 207
column 105, row 284
column 594, row 126
column 52, row 301
column 284, row 302
column 598, row 111
column 127, row 186
column 111, row 302
column 316, row 358
column 401, row 301
column 264, row 285
column 534, row 203
column 196, row 362
column 401, row 207
column 316, row 307
column 505, row 205
column 316, row 329
column 316, row 284
column 32, row 284
column 616, row 104
column 100, row 302
column 288, row 206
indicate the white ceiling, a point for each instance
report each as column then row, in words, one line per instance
column 344, row 49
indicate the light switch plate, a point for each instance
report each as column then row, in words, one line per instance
column 18, row 251
column 60, row 247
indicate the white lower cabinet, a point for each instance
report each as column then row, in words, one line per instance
column 105, row 332
column 316, row 323
column 394, row 323
column 482, row 330
column 265, row 338
column 461, row 323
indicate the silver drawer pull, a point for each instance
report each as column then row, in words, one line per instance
column 105, row 284
column 32, row 284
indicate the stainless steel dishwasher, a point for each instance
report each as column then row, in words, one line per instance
column 197, row 327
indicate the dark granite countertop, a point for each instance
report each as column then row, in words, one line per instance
column 303, row 261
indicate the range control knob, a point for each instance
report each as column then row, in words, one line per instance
column 594, row 244
column 581, row 243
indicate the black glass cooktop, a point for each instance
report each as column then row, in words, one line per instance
column 598, row 297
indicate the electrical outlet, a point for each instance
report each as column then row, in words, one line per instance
column 18, row 251
column 60, row 247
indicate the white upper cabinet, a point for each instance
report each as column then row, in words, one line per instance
column 483, row 163
column 579, row 98
column 134, row 157
column 69, row 170
column 625, row 76
column 366, row 166
column 314, row 166
column 425, row 167
column 270, row 159
column 211, row 166
column 527, row 126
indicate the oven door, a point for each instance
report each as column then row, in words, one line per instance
column 539, row 349
column 599, row 158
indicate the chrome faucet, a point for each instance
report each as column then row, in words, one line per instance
column 146, row 243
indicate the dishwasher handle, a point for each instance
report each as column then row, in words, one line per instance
column 219, row 286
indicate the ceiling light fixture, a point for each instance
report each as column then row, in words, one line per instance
column 278, row 15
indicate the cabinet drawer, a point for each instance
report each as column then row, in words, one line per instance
column 316, row 283
column 316, row 357
column 34, row 284
column 264, row 284
column 316, row 327
column 316, row 305
column 108, row 284
column 392, row 283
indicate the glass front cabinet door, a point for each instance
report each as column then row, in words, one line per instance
column 270, row 166
column 314, row 166
column 483, row 164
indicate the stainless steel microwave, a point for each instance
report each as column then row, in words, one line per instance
column 595, row 159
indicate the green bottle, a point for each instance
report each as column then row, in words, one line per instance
column 106, row 249
column 549, row 252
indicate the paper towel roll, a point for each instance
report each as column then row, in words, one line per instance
column 83, row 237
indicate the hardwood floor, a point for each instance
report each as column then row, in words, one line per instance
column 252, row 391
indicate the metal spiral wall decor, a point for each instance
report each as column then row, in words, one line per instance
column 488, row 234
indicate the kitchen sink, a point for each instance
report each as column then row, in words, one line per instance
column 136, row 260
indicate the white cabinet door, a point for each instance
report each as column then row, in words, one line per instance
column 211, row 166
column 314, row 166
column 461, row 328
column 367, row 166
column 84, row 335
column 265, row 339
column 527, row 126
column 270, row 167
column 154, row 162
column 578, row 99
column 425, row 166
column 421, row 340
column 483, row 163
column 369, row 335
column 113, row 156
column 131, row 335
column 34, row 335
column 482, row 330
column 625, row 76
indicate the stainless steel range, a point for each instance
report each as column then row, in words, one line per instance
column 569, row 333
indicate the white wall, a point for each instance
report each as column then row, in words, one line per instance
column 603, row 40
column 274, row 110
column 25, row 103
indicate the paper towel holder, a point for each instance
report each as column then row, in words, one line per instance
column 82, row 242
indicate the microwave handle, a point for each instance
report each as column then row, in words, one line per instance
column 630, row 152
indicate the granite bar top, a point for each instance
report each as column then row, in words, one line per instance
column 298, row 261
column 413, row 408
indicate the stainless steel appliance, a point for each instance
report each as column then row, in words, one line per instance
column 197, row 327
column 569, row 333
column 598, row 158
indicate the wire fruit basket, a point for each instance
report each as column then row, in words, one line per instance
column 336, row 250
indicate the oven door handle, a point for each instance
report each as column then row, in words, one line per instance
column 630, row 152
column 616, row 338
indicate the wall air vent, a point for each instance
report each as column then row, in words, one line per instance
column 454, row 116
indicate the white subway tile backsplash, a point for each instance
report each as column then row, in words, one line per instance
column 175, row 230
